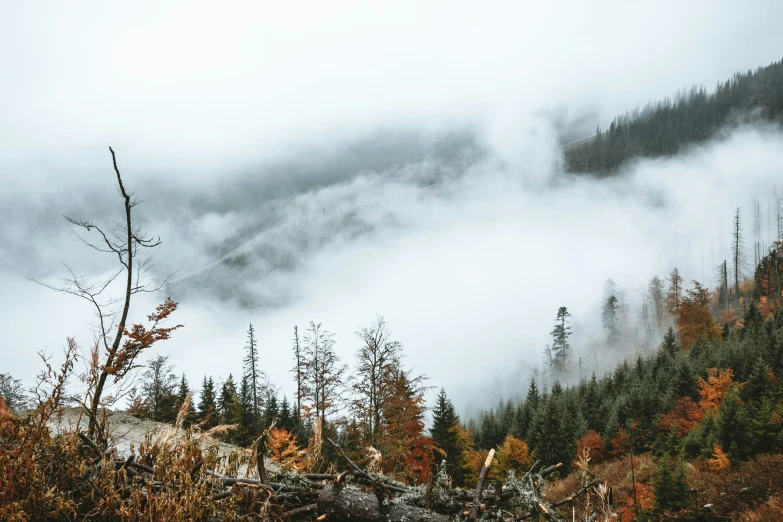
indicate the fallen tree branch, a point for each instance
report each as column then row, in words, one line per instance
column 565, row 500
column 480, row 486
column 359, row 472
column 310, row 508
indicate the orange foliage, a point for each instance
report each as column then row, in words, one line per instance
column 694, row 320
column 407, row 452
column 715, row 388
column 472, row 460
column 685, row 416
column 621, row 443
column 765, row 307
column 728, row 316
column 594, row 444
column 719, row 460
column 139, row 337
column 284, row 450
column 7, row 419
column 513, row 454
column 645, row 499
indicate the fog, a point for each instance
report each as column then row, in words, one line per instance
column 334, row 164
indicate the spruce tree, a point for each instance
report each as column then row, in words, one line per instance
column 669, row 345
column 253, row 372
column 560, row 334
column 443, row 432
column 271, row 412
column 227, row 401
column 184, row 390
column 609, row 320
column 670, row 485
column 207, row 406
column 287, row 420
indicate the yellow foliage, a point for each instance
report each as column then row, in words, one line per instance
column 513, row 454
column 719, row 460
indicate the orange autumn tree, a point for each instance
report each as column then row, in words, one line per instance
column 593, row 443
column 284, row 450
column 471, row 459
column 407, row 452
column 513, row 454
column 714, row 389
column 719, row 460
column 694, row 319
column 685, row 416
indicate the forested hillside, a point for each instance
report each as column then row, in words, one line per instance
column 710, row 394
column 665, row 127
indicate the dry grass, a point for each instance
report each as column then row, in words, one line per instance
column 49, row 477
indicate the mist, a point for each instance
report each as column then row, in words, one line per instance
column 356, row 162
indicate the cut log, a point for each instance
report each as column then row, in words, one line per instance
column 342, row 503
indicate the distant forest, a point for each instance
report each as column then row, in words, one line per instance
column 665, row 127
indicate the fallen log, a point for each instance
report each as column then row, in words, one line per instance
column 343, row 503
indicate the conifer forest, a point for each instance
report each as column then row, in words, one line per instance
column 436, row 262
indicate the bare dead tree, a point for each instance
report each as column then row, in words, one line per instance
column 376, row 363
column 125, row 240
column 738, row 251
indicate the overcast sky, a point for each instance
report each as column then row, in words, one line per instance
column 352, row 159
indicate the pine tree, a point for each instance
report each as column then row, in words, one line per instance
column 674, row 294
column 207, row 406
column 737, row 251
column 444, row 432
column 184, row 390
column 560, row 334
column 271, row 412
column 253, row 372
column 609, row 319
column 669, row 344
column 670, row 485
column 248, row 428
column 655, row 294
column 227, row 401
column 287, row 421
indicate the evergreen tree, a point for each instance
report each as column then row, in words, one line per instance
column 253, row 372
column 248, row 428
column 609, row 319
column 207, row 406
column 444, row 432
column 669, row 345
column 655, row 294
column 227, row 401
column 670, row 485
column 271, row 412
column 560, row 335
column 287, row 420
column 184, row 390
